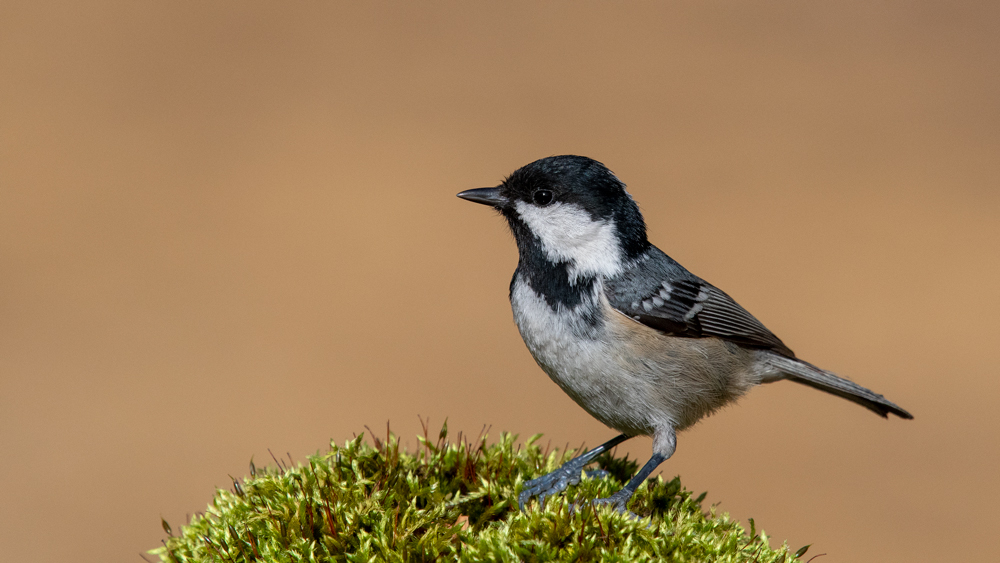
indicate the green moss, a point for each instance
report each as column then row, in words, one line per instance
column 451, row 501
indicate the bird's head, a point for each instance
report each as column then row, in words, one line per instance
column 573, row 210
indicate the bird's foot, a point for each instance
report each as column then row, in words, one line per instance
column 618, row 501
column 557, row 481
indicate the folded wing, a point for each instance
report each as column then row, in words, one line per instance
column 662, row 294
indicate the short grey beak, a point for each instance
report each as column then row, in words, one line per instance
column 485, row 196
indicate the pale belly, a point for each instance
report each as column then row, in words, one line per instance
column 630, row 377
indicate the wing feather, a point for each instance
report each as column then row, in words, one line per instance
column 661, row 294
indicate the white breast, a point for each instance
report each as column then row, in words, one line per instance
column 628, row 376
column 582, row 362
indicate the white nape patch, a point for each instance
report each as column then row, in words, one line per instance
column 569, row 234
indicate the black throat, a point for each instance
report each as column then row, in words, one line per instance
column 551, row 280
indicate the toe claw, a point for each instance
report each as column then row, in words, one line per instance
column 618, row 501
column 524, row 497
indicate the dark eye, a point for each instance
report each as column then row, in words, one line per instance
column 542, row 197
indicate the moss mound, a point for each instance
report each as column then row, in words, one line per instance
column 452, row 501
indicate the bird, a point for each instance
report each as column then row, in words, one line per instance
column 635, row 339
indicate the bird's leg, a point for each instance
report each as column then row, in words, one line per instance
column 568, row 474
column 664, row 444
column 620, row 499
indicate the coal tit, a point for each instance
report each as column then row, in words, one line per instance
column 640, row 343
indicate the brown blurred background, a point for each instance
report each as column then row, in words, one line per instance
column 232, row 226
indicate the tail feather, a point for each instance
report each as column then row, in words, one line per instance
column 808, row 374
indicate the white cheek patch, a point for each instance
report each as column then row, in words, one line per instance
column 569, row 234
